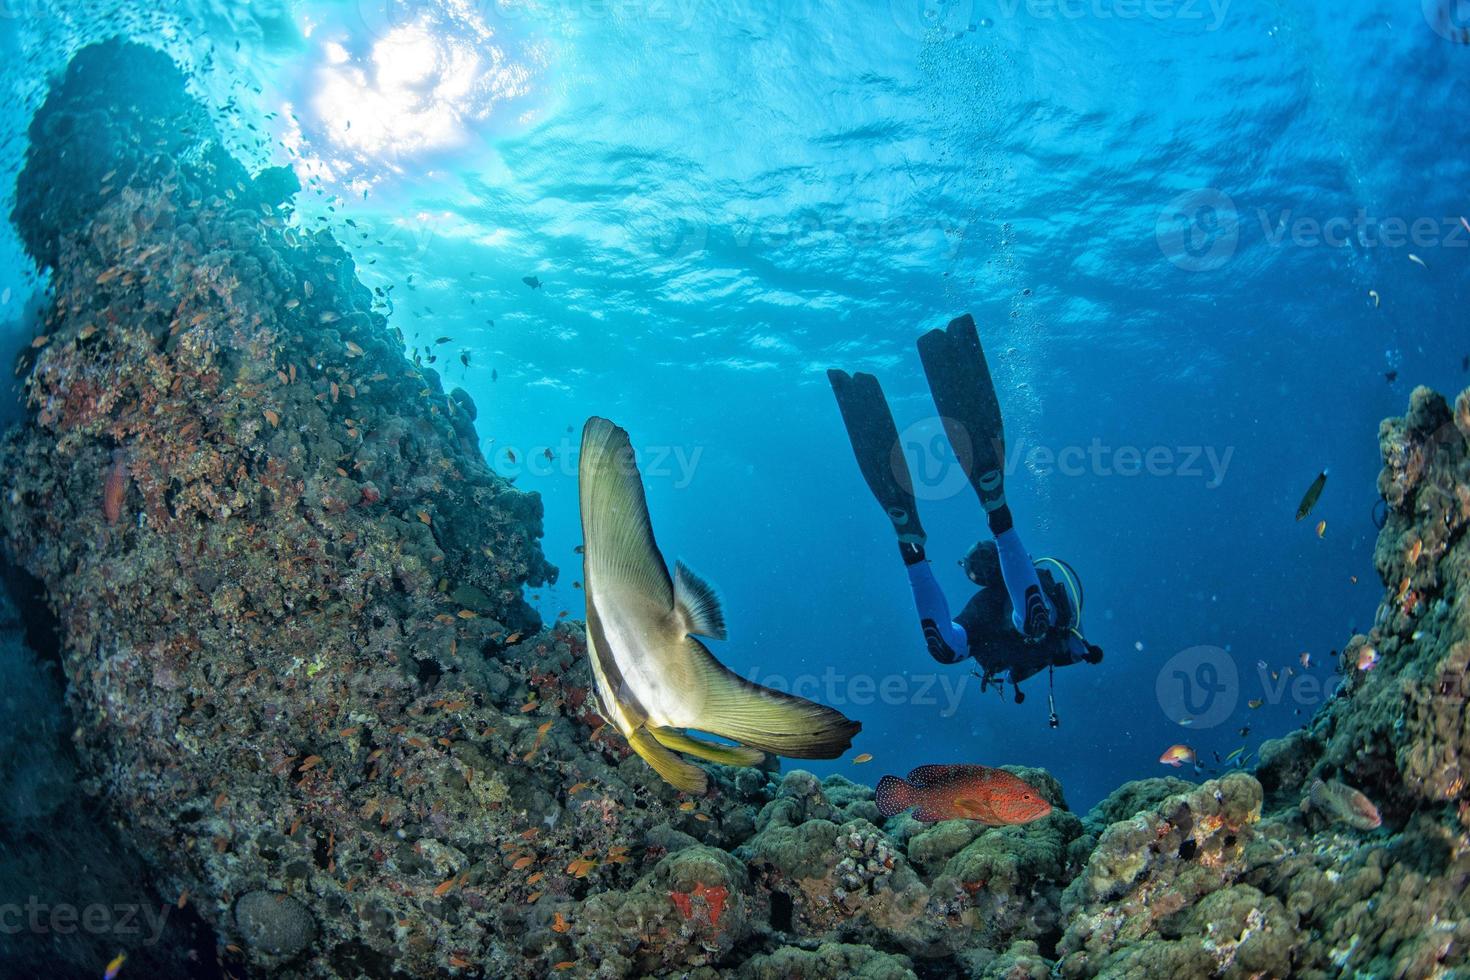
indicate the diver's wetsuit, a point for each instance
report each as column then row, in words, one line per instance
column 984, row 628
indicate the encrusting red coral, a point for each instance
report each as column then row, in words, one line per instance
column 712, row 900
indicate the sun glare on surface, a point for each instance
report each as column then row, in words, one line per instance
column 411, row 89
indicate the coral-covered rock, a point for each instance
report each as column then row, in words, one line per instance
column 308, row 686
column 1160, row 862
column 829, row 961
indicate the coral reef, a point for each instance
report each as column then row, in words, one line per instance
column 306, row 686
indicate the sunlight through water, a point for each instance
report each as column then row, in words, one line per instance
column 381, row 93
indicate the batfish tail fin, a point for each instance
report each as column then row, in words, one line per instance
column 782, row 724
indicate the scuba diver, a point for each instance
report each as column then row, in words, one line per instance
column 1027, row 615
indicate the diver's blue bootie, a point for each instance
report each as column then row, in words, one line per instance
column 1037, row 621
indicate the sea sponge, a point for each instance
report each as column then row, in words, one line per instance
column 273, row 925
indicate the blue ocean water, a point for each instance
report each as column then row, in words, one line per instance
column 1208, row 247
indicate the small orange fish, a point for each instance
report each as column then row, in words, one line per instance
column 1321, row 528
column 522, row 864
column 1178, row 755
column 968, row 792
column 565, row 965
column 444, row 888
column 863, row 757
column 115, row 487
column 560, row 924
column 528, row 707
column 1367, row 658
column 114, row 967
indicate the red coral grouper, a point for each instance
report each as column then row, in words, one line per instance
column 992, row 796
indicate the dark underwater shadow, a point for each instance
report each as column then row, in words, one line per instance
column 72, row 894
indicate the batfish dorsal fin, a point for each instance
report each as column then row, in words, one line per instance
column 697, row 605
column 622, row 560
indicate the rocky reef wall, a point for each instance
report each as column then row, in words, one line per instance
column 306, row 684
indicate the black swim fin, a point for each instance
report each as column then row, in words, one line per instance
column 959, row 380
column 875, row 443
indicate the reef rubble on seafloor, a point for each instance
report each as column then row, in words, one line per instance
column 307, row 686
